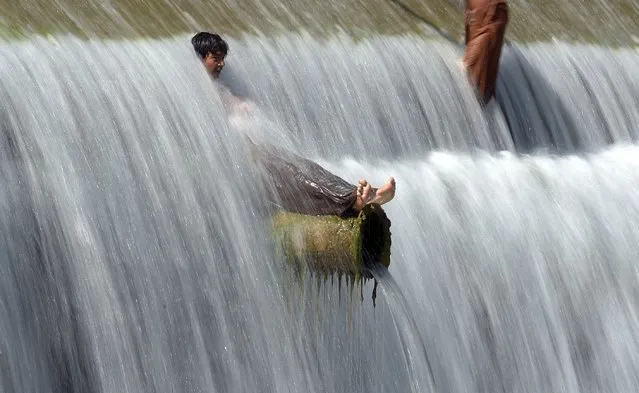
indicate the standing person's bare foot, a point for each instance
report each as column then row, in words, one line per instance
column 366, row 194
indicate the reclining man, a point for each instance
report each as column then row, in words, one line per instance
column 296, row 184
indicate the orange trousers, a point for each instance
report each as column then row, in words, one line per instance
column 486, row 22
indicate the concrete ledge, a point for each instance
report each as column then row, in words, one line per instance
column 329, row 244
column 603, row 22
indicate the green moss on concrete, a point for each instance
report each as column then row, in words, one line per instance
column 329, row 244
column 607, row 22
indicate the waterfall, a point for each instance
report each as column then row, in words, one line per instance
column 135, row 253
column 520, row 272
column 397, row 97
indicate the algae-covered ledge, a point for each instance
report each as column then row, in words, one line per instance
column 603, row 22
column 329, row 244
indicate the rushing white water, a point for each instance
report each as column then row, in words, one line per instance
column 135, row 254
column 399, row 97
column 521, row 272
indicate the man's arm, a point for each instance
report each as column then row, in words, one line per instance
column 236, row 106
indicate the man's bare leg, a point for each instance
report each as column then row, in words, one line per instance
column 366, row 195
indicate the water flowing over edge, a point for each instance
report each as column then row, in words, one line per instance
column 136, row 256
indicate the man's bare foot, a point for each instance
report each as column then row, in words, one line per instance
column 386, row 192
column 363, row 194
column 382, row 195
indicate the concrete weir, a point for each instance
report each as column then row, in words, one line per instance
column 330, row 244
column 136, row 238
column 601, row 21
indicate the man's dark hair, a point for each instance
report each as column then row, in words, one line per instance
column 205, row 43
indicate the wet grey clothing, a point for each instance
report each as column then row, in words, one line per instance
column 293, row 183
column 301, row 186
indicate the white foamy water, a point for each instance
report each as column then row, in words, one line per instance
column 135, row 254
column 519, row 271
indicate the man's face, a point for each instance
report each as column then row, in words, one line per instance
column 214, row 62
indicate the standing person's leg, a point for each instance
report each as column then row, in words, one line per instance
column 498, row 28
column 486, row 22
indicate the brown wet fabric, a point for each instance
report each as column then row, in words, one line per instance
column 301, row 186
column 486, row 22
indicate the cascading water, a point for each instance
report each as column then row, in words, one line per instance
column 135, row 248
column 399, row 97
column 520, row 271
column 135, row 254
